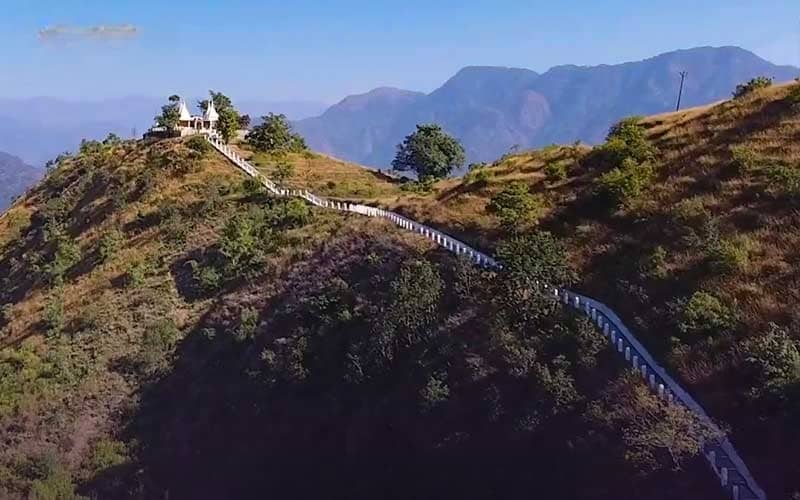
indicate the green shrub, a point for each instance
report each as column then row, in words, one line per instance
column 655, row 264
column 107, row 453
column 705, row 314
column 757, row 83
column 283, row 172
column 55, row 484
column 292, row 213
column 627, row 139
column 157, row 343
column 785, row 180
column 207, row 277
column 253, row 187
column 65, row 255
column 477, row 177
column 556, row 171
column 246, row 238
column 623, row 185
column 248, row 323
column 136, row 274
column 110, row 243
column 516, row 206
column 199, row 144
column 435, row 392
column 54, row 313
column 731, row 255
column 774, row 359
column 424, row 186
column 744, row 159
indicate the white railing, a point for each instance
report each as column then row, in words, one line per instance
column 731, row 470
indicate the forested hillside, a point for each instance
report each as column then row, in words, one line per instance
column 170, row 330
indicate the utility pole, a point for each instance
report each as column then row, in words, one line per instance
column 680, row 92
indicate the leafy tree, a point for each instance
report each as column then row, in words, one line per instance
column 244, row 122
column 774, row 360
column 229, row 118
column 430, row 152
column 655, row 435
column 529, row 262
column 275, row 135
column 515, row 205
column 627, row 139
column 245, row 239
column 757, row 83
column 170, row 114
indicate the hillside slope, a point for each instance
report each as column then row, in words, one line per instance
column 169, row 330
column 493, row 109
column 703, row 264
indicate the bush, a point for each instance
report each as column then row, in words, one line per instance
column 283, row 172
column 705, row 314
column 655, row 264
column 785, row 180
column 774, row 359
column 157, row 342
column 292, row 214
column 757, row 83
column 248, row 323
column 136, row 274
column 54, row 313
column 794, row 95
column 66, row 254
column 107, row 453
column 207, row 277
column 253, row 187
column 627, row 139
column 623, row 185
column 730, row 256
column 199, row 144
column 745, row 160
column 516, row 206
column 556, row 171
column 477, row 176
column 110, row 243
column 245, row 240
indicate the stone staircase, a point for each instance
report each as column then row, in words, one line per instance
column 725, row 462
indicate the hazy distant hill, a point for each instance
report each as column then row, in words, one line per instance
column 491, row 109
column 38, row 129
column 15, row 178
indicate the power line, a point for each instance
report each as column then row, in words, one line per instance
column 680, row 92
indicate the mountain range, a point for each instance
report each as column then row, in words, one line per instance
column 38, row 129
column 15, row 177
column 493, row 109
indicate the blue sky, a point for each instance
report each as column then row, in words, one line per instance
column 323, row 50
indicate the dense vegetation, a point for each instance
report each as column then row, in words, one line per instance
column 429, row 152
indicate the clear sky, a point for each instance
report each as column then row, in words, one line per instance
column 322, row 50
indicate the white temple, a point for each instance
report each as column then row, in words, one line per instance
column 189, row 125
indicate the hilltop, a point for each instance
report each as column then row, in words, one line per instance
column 492, row 110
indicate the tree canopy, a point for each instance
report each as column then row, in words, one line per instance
column 229, row 118
column 430, row 152
column 275, row 135
column 169, row 113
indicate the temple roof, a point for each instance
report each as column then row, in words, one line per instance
column 184, row 112
column 211, row 113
